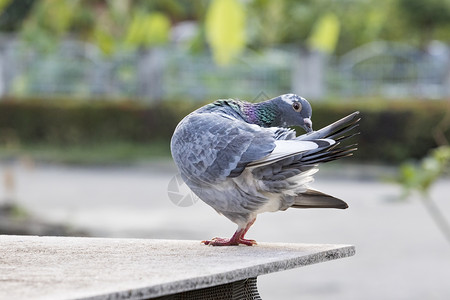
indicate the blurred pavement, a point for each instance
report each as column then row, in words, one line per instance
column 400, row 252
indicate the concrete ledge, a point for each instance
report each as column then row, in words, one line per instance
column 99, row 268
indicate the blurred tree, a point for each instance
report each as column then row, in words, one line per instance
column 48, row 22
column 12, row 14
column 425, row 17
column 112, row 25
column 325, row 34
column 351, row 23
column 360, row 22
column 126, row 25
column 131, row 24
column 225, row 29
column 148, row 30
column 282, row 22
column 366, row 21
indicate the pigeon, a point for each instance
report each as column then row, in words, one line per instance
column 243, row 159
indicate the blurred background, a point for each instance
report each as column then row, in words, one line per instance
column 91, row 91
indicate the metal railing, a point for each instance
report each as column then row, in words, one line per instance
column 78, row 69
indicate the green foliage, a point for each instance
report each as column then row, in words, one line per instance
column 68, row 123
column 148, row 30
column 325, row 33
column 280, row 22
column 18, row 212
column 112, row 25
column 12, row 14
column 354, row 22
column 360, row 22
column 225, row 29
column 88, row 154
column 425, row 16
column 420, row 176
column 391, row 131
column 4, row 3
column 227, row 26
column 49, row 21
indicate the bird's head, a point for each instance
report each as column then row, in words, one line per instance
column 294, row 111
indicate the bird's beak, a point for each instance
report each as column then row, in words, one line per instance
column 307, row 125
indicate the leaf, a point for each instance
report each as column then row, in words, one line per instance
column 136, row 31
column 422, row 176
column 49, row 21
column 442, row 154
column 147, row 30
column 105, row 41
column 158, row 28
column 56, row 15
column 225, row 29
column 408, row 175
column 4, row 4
column 325, row 33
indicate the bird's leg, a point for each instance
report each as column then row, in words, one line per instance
column 246, row 241
column 235, row 240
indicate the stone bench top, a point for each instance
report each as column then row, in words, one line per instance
column 34, row 267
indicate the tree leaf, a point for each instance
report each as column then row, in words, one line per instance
column 105, row 41
column 3, row 4
column 325, row 33
column 158, row 28
column 147, row 30
column 225, row 29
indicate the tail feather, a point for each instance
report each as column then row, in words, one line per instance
column 316, row 199
column 335, row 153
column 335, row 129
column 342, row 138
column 339, row 131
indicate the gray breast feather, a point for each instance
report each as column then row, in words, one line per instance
column 208, row 147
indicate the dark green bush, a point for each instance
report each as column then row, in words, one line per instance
column 391, row 131
column 70, row 123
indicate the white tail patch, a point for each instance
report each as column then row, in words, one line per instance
column 287, row 148
column 300, row 182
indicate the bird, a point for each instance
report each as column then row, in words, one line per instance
column 243, row 158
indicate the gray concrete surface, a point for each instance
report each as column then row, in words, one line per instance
column 400, row 254
column 78, row 268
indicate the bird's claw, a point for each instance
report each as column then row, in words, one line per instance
column 229, row 242
column 247, row 242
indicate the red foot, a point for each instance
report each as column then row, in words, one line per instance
column 229, row 242
column 236, row 239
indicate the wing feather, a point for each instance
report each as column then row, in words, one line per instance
column 211, row 147
column 287, row 148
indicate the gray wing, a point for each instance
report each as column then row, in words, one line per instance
column 208, row 147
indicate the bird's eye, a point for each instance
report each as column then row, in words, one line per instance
column 297, row 106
